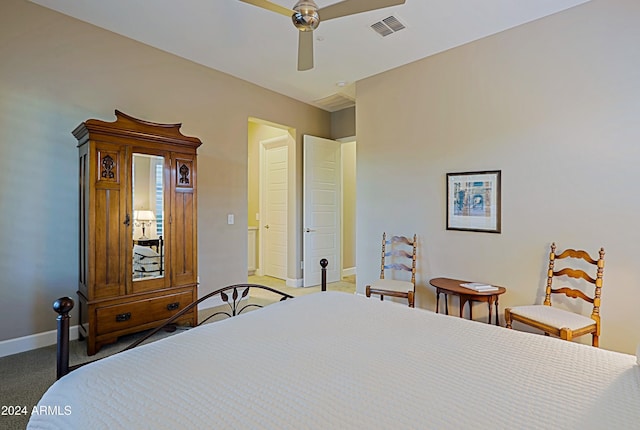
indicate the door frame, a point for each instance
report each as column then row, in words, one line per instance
column 346, row 271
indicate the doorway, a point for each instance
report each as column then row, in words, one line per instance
column 264, row 134
column 271, row 199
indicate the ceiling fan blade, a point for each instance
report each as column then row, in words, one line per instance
column 265, row 4
column 305, row 50
column 351, row 7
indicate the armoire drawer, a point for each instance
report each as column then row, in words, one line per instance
column 125, row 315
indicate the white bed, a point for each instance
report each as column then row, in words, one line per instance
column 340, row 361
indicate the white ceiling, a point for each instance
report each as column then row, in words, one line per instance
column 261, row 46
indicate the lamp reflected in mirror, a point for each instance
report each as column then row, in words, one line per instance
column 143, row 218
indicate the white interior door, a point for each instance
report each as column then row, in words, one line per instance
column 274, row 221
column 322, row 209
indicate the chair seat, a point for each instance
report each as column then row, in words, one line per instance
column 553, row 317
column 392, row 285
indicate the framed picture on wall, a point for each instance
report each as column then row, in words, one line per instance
column 473, row 201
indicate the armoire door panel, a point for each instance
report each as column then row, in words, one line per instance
column 184, row 222
column 108, row 267
column 185, row 265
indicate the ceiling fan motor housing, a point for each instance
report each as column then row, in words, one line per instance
column 306, row 16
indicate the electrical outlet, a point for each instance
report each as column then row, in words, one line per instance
column 230, row 219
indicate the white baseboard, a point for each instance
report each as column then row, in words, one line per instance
column 296, row 283
column 348, row 271
column 33, row 341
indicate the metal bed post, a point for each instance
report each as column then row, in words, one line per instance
column 63, row 306
column 324, row 263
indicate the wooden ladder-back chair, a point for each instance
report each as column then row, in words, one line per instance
column 398, row 254
column 558, row 322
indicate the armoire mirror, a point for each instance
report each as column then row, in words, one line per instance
column 148, row 216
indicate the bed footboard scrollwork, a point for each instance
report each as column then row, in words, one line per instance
column 231, row 295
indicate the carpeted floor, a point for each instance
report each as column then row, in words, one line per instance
column 26, row 376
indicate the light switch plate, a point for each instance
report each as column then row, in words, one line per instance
column 230, row 219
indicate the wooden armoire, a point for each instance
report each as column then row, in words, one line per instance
column 135, row 272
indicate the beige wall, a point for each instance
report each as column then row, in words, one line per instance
column 55, row 73
column 555, row 105
column 343, row 123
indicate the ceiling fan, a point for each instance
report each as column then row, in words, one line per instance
column 306, row 17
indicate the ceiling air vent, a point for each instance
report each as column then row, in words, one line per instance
column 387, row 26
column 336, row 102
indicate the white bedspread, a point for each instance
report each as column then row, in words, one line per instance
column 339, row 361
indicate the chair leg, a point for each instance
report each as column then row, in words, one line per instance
column 507, row 317
column 410, row 298
column 595, row 341
column 367, row 291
